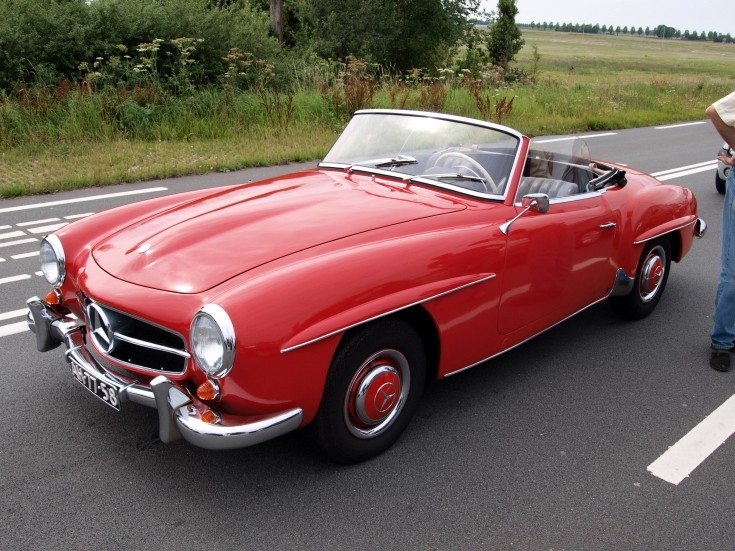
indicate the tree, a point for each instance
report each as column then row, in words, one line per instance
column 397, row 34
column 504, row 39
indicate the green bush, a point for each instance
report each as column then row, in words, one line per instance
column 44, row 41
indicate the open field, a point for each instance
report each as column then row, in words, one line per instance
column 582, row 82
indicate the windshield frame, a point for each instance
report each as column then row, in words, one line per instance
column 405, row 162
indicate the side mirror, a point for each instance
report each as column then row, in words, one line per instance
column 537, row 202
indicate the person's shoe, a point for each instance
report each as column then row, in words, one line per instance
column 719, row 360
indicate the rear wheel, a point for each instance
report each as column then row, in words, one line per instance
column 372, row 391
column 720, row 184
column 650, row 281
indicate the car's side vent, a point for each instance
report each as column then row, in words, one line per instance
column 135, row 342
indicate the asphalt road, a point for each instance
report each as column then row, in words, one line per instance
column 543, row 448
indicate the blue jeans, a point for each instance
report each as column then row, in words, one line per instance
column 723, row 330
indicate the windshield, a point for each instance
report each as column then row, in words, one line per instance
column 462, row 154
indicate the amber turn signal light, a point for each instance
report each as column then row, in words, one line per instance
column 208, row 390
column 210, row 417
column 53, row 297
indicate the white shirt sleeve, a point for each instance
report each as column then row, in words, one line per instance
column 725, row 108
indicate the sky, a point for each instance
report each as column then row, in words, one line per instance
column 684, row 15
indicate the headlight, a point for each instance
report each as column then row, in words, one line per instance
column 53, row 260
column 213, row 340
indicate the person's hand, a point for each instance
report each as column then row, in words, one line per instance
column 729, row 160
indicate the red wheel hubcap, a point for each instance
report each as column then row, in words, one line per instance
column 377, row 393
column 652, row 276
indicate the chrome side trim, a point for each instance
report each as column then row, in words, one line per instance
column 693, row 222
column 388, row 313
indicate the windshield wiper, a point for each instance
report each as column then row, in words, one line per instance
column 400, row 160
column 455, row 176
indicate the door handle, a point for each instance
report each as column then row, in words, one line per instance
column 608, row 226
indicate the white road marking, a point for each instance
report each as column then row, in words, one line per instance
column 680, row 125
column 685, row 171
column 12, row 279
column 13, row 328
column 48, row 229
column 37, row 222
column 670, row 170
column 83, row 199
column 11, row 234
column 24, row 255
column 75, row 216
column 551, row 140
column 13, row 314
column 19, row 242
column 697, row 445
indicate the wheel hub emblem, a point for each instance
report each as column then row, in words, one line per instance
column 377, row 395
column 385, row 397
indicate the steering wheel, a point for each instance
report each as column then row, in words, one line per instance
column 477, row 168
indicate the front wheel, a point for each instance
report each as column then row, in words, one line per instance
column 372, row 391
column 650, row 281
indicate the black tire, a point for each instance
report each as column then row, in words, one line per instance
column 651, row 276
column 372, row 390
column 720, row 184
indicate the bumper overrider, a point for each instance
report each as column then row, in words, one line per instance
column 179, row 412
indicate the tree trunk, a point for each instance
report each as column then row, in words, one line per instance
column 277, row 18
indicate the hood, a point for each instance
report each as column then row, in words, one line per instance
column 198, row 245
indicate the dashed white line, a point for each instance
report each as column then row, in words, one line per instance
column 83, row 199
column 697, row 445
column 24, row 255
column 12, row 279
column 37, row 222
column 48, row 229
column 19, row 242
column 11, row 234
column 13, row 328
column 13, row 314
column 75, row 216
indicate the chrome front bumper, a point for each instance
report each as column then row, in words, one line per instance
column 700, row 228
column 179, row 413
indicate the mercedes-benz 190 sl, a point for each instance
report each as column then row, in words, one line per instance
column 422, row 245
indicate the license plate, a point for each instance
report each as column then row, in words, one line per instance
column 104, row 391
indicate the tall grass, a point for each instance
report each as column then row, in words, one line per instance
column 101, row 131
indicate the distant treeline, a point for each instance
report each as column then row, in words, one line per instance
column 662, row 31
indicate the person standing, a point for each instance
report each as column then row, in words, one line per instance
column 722, row 115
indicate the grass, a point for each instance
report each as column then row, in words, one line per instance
column 581, row 82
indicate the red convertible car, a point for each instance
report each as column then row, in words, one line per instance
column 422, row 245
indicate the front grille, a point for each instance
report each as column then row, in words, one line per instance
column 135, row 342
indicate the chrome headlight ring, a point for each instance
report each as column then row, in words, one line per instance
column 212, row 337
column 53, row 260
